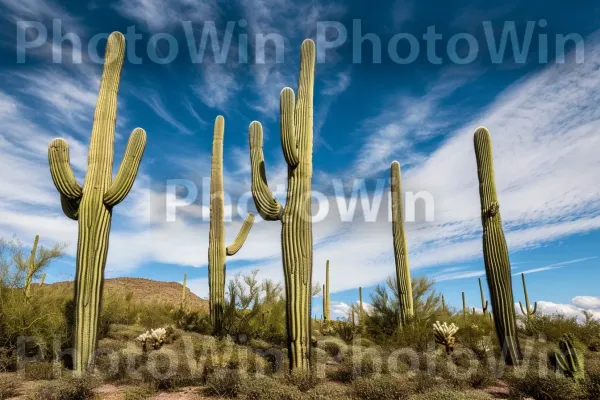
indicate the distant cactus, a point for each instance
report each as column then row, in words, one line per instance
column 484, row 303
column 444, row 304
column 183, row 305
column 360, row 306
column 495, row 252
column 405, row 296
column 42, row 279
column 296, row 127
column 326, row 300
column 465, row 308
column 527, row 310
column 217, row 252
column 444, row 335
column 568, row 360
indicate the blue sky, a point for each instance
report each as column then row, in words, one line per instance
column 422, row 110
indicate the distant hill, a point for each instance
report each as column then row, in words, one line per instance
column 144, row 290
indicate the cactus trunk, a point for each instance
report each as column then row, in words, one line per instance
column 405, row 297
column 296, row 127
column 465, row 309
column 92, row 204
column 184, row 292
column 495, row 252
column 217, row 252
column 326, row 302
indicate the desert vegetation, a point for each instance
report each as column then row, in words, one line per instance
column 258, row 339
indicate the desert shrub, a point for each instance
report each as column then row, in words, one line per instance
column 551, row 327
column 65, row 389
column 449, row 394
column 37, row 370
column 334, row 347
column 138, row 393
column 123, row 333
column 8, row 387
column 381, row 388
column 304, row 381
column 327, row 391
column 124, row 365
column 592, row 379
column 265, row 388
column 167, row 369
column 224, row 382
column 193, row 321
column 550, row 386
column 8, row 359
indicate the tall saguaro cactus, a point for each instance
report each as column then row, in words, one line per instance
column 527, row 310
column 217, row 252
column 400, row 248
column 326, row 302
column 184, row 292
column 296, row 127
column 484, row 302
column 465, row 308
column 92, row 204
column 495, row 252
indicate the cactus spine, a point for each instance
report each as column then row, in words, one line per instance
column 184, row 292
column 92, row 204
column 484, row 302
column 31, row 269
column 495, row 252
column 296, row 127
column 527, row 311
column 326, row 300
column 400, row 249
column 217, row 252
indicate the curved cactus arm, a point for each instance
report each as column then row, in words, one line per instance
column 241, row 236
column 128, row 169
column 522, row 308
column 266, row 204
column 60, row 169
column 287, row 102
column 70, row 207
column 534, row 311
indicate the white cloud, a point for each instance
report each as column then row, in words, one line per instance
column 568, row 310
column 157, row 15
column 587, row 302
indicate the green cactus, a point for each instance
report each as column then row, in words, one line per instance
column 326, row 300
column 296, row 234
column 184, row 292
column 42, row 279
column 443, row 304
column 495, row 252
column 484, row 302
column 360, row 306
column 217, row 252
column 405, row 296
column 527, row 310
column 31, row 270
column 567, row 360
column 92, row 204
column 465, row 308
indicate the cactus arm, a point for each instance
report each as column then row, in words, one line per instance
column 266, row 204
column 128, row 169
column 70, row 207
column 288, row 134
column 241, row 236
column 522, row 309
column 31, row 269
column 534, row 311
column 60, row 169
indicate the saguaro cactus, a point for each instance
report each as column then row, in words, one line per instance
column 567, row 359
column 217, row 252
column 527, row 311
column 296, row 234
column 465, row 308
column 484, row 302
column 92, row 204
column 443, row 303
column 405, row 296
column 31, row 270
column 326, row 301
column 184, row 292
column 495, row 252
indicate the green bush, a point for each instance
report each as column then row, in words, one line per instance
column 65, row 389
column 224, row 382
column 381, row 388
column 138, row 393
column 448, row 394
column 265, row 388
column 553, row 386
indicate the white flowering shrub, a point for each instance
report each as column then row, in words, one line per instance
column 153, row 339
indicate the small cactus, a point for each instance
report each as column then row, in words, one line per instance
column 444, row 335
column 326, row 300
column 484, row 302
column 465, row 308
column 527, row 310
column 184, row 292
column 443, row 304
column 567, row 360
